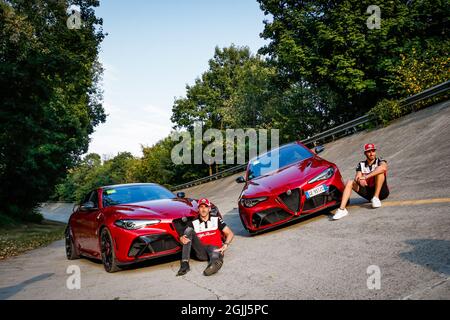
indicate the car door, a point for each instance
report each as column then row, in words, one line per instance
column 77, row 223
column 88, row 226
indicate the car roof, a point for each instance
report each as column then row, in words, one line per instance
column 129, row 185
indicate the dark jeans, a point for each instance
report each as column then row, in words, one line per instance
column 202, row 252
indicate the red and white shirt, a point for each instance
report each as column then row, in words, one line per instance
column 210, row 231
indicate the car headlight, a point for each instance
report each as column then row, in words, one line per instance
column 251, row 202
column 135, row 224
column 327, row 174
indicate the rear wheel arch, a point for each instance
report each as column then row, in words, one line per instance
column 72, row 251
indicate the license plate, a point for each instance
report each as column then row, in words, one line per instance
column 317, row 190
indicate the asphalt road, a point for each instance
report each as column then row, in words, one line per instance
column 408, row 239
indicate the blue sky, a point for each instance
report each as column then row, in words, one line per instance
column 154, row 48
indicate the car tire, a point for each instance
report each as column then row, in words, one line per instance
column 107, row 251
column 71, row 251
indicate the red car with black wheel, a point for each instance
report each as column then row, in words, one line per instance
column 287, row 183
column 128, row 223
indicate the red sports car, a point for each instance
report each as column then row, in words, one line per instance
column 124, row 224
column 299, row 183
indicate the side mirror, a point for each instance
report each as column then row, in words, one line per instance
column 181, row 194
column 87, row 206
column 240, row 179
column 319, row 149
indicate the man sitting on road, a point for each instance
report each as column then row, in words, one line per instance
column 370, row 181
column 204, row 235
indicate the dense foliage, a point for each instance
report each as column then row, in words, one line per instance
column 329, row 45
column 49, row 101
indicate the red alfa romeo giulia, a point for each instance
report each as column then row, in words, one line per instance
column 124, row 224
column 299, row 183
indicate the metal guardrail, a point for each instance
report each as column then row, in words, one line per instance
column 348, row 127
column 427, row 93
column 334, row 131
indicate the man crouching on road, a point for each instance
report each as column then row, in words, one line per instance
column 204, row 235
column 370, row 181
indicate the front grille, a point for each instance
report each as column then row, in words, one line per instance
column 291, row 201
column 315, row 202
column 152, row 244
column 269, row 216
column 322, row 199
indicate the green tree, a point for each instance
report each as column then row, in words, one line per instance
column 156, row 165
column 234, row 92
column 328, row 44
column 78, row 180
column 300, row 111
column 229, row 94
column 50, row 101
column 91, row 173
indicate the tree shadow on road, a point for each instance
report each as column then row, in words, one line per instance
column 7, row 292
column 153, row 262
column 431, row 253
column 359, row 202
column 142, row 264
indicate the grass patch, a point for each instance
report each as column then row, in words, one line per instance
column 18, row 238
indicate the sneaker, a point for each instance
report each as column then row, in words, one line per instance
column 340, row 213
column 376, row 203
column 184, row 268
column 213, row 267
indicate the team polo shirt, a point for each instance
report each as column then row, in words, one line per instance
column 210, row 231
column 365, row 168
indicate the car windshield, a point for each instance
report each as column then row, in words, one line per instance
column 288, row 154
column 137, row 193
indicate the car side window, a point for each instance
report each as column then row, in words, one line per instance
column 86, row 198
column 94, row 198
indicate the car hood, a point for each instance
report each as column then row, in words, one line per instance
column 289, row 177
column 158, row 209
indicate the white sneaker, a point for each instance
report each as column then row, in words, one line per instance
column 340, row 214
column 376, row 203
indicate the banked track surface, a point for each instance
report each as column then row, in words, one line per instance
column 408, row 238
